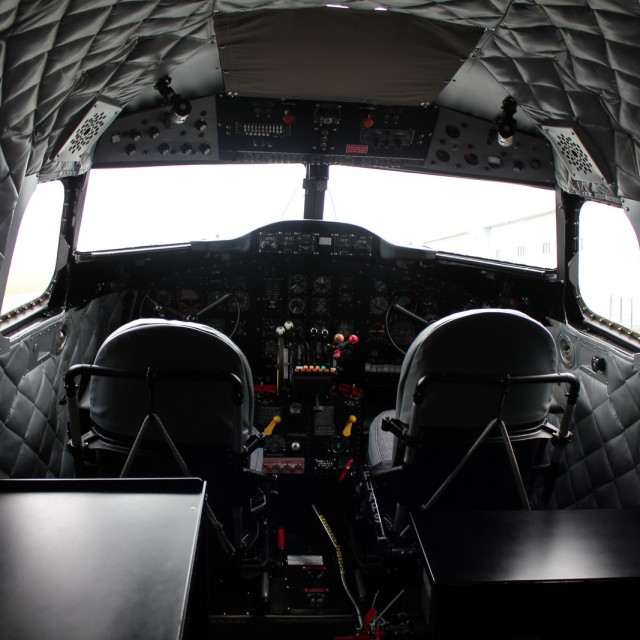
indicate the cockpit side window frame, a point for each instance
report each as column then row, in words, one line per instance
column 25, row 311
column 578, row 311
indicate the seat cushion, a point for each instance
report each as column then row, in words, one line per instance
column 197, row 410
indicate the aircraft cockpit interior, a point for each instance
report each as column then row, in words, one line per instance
column 319, row 320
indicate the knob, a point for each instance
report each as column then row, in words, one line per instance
column 130, row 149
column 201, row 125
column 163, row 149
column 205, row 149
column 351, row 420
column 154, row 133
column 272, row 425
column 135, row 135
column 187, row 149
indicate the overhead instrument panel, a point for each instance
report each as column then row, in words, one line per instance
column 237, row 129
column 464, row 145
column 153, row 136
column 260, row 130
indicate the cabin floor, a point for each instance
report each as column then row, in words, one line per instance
column 315, row 531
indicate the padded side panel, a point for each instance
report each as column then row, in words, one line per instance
column 601, row 465
column 33, row 423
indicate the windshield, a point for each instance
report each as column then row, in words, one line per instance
column 167, row 205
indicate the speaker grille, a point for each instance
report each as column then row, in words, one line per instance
column 577, row 153
column 84, row 137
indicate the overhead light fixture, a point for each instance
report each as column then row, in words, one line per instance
column 180, row 107
column 506, row 122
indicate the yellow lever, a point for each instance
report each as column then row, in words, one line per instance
column 272, row 425
column 351, row 420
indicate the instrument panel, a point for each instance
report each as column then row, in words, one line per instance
column 315, row 307
column 324, row 322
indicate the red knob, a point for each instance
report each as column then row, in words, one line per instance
column 353, row 339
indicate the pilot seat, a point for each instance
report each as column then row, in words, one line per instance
column 471, row 421
column 166, row 398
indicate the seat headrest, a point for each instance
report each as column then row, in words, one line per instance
column 195, row 411
column 483, row 342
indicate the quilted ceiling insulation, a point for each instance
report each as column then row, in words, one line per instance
column 574, row 63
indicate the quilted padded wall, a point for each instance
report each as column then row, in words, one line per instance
column 57, row 56
column 601, row 464
column 577, row 61
column 33, row 423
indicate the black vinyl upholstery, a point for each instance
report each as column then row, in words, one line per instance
column 481, row 342
column 195, row 410
column 461, row 363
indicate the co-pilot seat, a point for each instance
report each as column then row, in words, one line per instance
column 199, row 384
column 460, row 376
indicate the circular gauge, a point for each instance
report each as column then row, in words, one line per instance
column 402, row 332
column 346, row 282
column 243, row 300
column 407, row 301
column 378, row 304
column 297, row 284
column 189, row 298
column 215, row 295
column 379, row 286
column 161, row 296
column 296, row 306
column 274, row 444
column 156, row 303
column 322, row 284
column 339, row 445
column 320, row 306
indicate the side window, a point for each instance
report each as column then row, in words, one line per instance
column 609, row 264
column 34, row 257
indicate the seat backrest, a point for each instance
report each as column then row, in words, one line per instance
column 482, row 342
column 194, row 411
